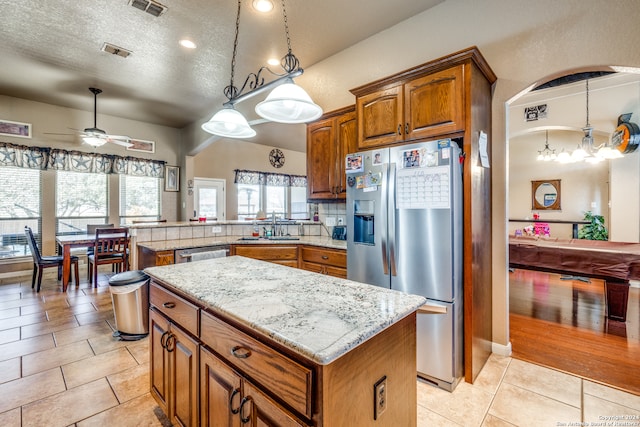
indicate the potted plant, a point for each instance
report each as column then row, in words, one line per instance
column 595, row 230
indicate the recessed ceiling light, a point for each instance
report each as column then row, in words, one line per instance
column 187, row 43
column 273, row 61
column 263, row 5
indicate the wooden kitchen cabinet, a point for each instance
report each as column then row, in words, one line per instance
column 332, row 262
column 329, row 140
column 278, row 254
column 150, row 258
column 174, row 370
column 419, row 108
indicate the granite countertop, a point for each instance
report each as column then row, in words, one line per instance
column 164, row 245
column 317, row 316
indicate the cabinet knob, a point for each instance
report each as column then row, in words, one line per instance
column 169, row 305
column 399, row 129
column 406, row 128
column 240, row 352
column 325, row 257
column 241, row 410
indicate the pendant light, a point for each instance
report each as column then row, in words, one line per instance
column 288, row 103
column 228, row 122
column 546, row 154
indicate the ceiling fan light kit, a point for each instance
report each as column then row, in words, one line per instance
column 287, row 103
column 97, row 137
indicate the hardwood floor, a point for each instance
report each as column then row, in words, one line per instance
column 562, row 324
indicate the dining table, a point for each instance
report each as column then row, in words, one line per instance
column 66, row 242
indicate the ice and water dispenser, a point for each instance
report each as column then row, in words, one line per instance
column 363, row 221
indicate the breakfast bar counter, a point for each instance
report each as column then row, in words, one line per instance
column 316, row 349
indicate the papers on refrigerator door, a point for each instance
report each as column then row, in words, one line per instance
column 424, row 188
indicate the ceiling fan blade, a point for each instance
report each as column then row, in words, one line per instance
column 118, row 141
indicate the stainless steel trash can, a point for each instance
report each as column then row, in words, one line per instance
column 130, row 297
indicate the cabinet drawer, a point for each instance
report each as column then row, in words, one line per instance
column 176, row 308
column 324, row 256
column 284, row 377
column 271, row 252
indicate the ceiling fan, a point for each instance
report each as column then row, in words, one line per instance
column 97, row 137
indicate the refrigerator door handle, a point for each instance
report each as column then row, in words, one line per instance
column 390, row 209
column 432, row 309
column 383, row 230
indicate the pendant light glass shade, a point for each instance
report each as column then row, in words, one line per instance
column 288, row 103
column 229, row 123
column 93, row 141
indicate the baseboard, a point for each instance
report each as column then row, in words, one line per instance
column 501, row 350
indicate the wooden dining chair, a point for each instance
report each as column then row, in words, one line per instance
column 41, row 262
column 111, row 247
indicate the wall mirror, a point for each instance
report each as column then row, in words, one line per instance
column 545, row 195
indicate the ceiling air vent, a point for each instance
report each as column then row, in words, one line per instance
column 115, row 50
column 151, row 7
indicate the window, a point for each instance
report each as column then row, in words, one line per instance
column 208, row 198
column 248, row 200
column 81, row 199
column 284, row 195
column 19, row 206
column 139, row 198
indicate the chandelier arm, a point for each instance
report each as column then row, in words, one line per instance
column 262, row 87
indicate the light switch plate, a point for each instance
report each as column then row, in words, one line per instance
column 216, row 229
column 330, row 221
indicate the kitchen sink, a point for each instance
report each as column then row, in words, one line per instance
column 283, row 238
column 248, row 238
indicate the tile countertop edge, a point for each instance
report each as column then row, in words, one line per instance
column 164, row 245
column 337, row 315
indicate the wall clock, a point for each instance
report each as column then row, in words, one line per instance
column 276, row 157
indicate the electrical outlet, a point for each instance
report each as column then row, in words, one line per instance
column 379, row 397
column 216, row 229
column 340, row 220
column 330, row 221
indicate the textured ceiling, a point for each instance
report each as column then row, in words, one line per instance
column 51, row 49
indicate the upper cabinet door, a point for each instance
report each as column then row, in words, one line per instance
column 434, row 104
column 320, row 140
column 380, row 118
column 346, row 128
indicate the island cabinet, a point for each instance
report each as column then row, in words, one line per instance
column 149, row 258
column 277, row 254
column 418, row 108
column 449, row 97
column 329, row 140
column 332, row 262
column 174, row 355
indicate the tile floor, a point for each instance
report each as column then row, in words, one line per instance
column 60, row 366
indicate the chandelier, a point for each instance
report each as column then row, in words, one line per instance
column 287, row 102
column 546, row 154
column 586, row 150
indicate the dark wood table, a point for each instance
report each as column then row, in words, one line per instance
column 67, row 242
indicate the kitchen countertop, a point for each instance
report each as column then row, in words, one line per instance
column 165, row 245
column 317, row 316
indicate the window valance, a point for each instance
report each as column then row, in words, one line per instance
column 270, row 179
column 43, row 158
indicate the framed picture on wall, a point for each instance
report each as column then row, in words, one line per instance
column 171, row 178
column 142, row 145
column 15, row 129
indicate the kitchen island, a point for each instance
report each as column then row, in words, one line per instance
column 237, row 339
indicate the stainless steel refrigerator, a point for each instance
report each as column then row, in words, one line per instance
column 404, row 232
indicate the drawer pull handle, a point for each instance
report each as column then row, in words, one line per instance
column 171, row 343
column 163, row 338
column 325, row 257
column 233, row 394
column 240, row 352
column 169, row 305
column 400, row 129
column 242, row 417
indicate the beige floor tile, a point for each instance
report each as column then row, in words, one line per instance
column 29, row 389
column 29, row 319
column 82, row 333
column 86, row 370
column 9, row 370
column 106, row 342
column 597, row 410
column 544, row 381
column 427, row 418
column 491, row 421
column 141, row 411
column 58, row 356
column 71, row 406
column 465, row 406
column 140, row 350
column 9, row 335
column 132, row 383
column 612, row 395
column 44, row 307
column 492, row 373
column 526, row 408
column 48, row 327
column 12, row 418
column 96, row 316
column 26, row 346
